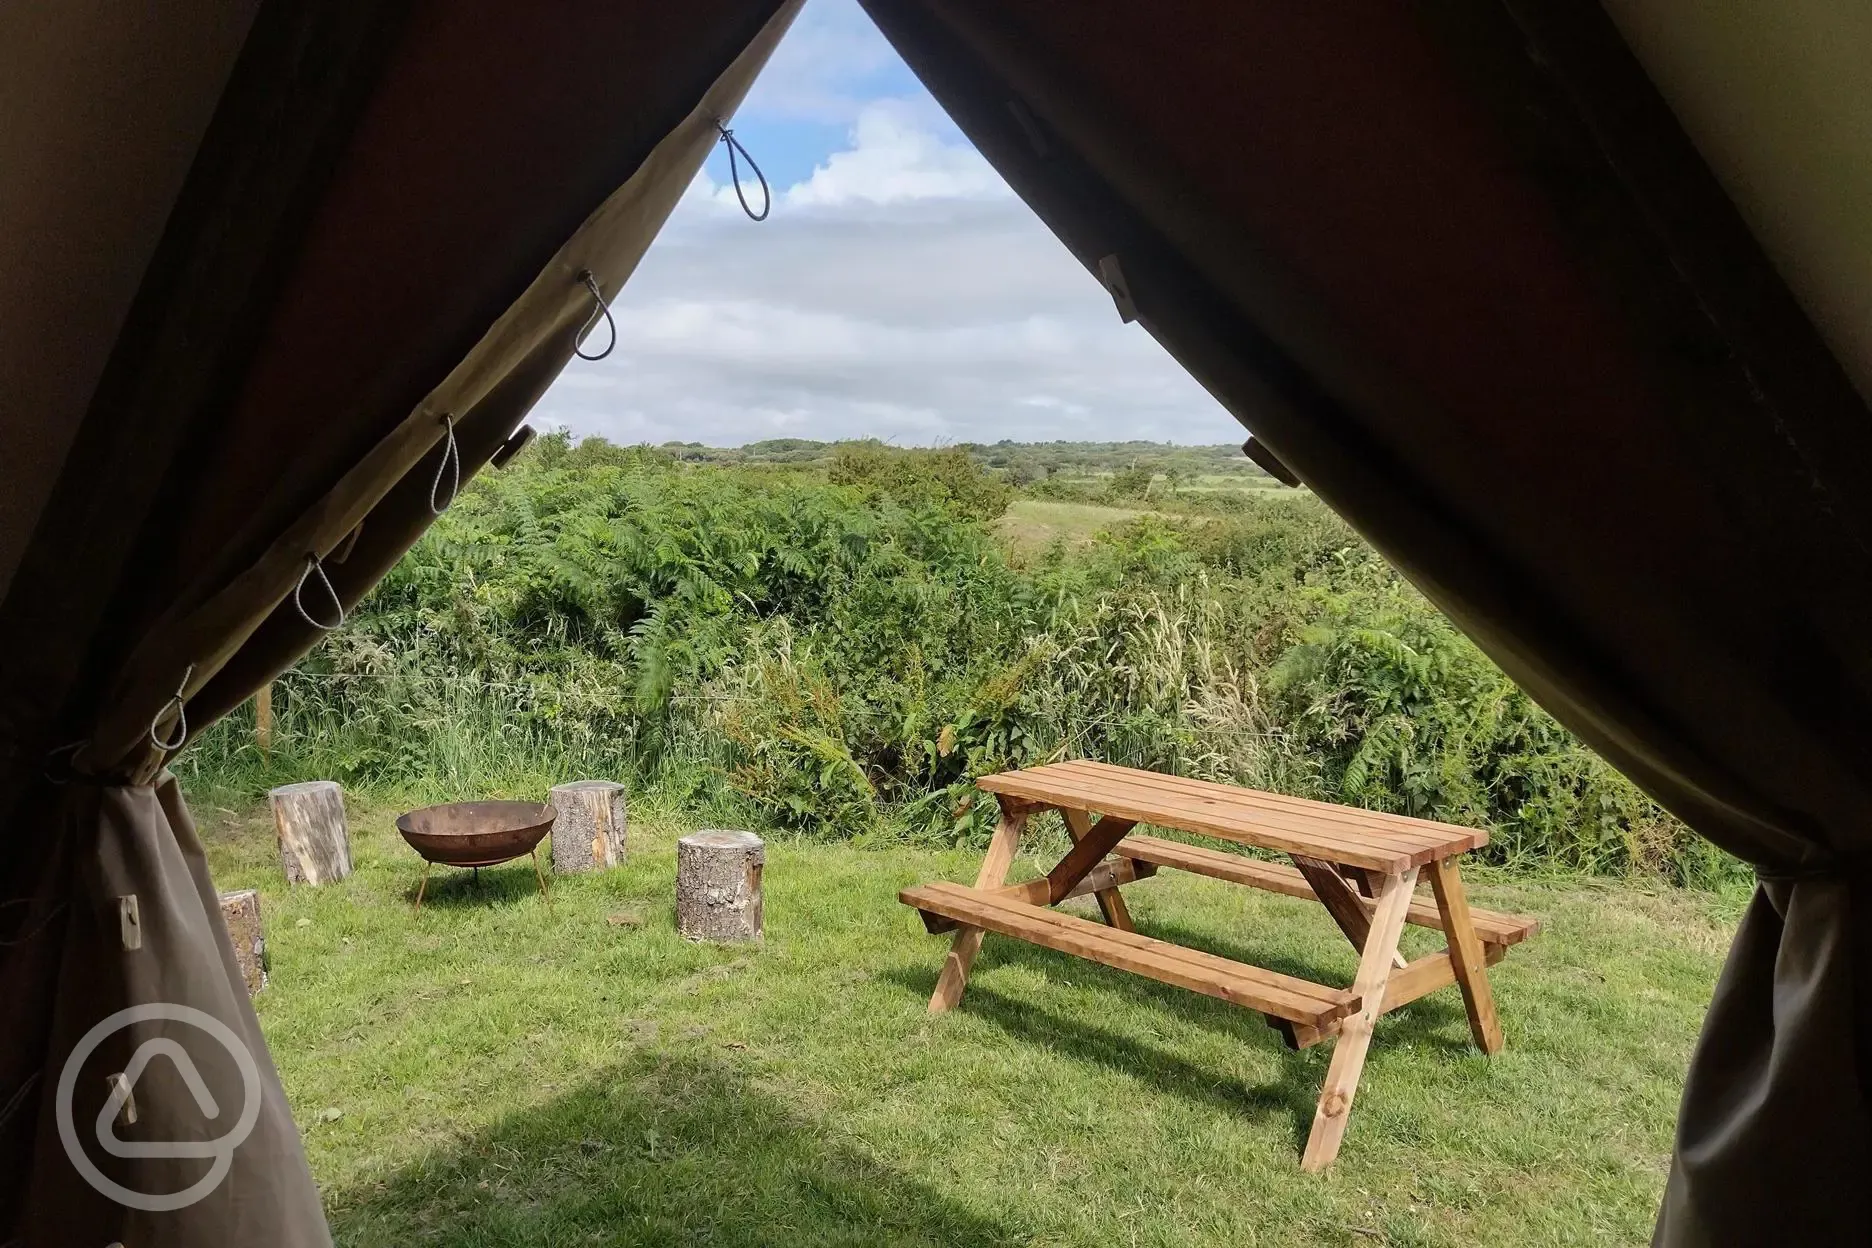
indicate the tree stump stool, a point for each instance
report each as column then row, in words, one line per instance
column 588, row 834
column 718, row 886
column 313, row 843
column 241, row 912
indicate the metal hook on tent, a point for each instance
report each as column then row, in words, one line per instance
column 734, row 171
column 180, row 702
column 600, row 308
column 451, row 458
column 313, row 565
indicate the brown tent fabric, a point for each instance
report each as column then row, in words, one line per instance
column 1457, row 267
column 138, row 840
column 1454, row 264
column 386, row 225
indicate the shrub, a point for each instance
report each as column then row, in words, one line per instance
column 949, row 478
column 840, row 652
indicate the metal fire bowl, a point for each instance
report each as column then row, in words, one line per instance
column 476, row 834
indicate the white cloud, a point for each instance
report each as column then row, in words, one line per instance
column 899, row 291
column 892, row 160
column 822, row 70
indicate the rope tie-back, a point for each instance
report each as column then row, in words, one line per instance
column 451, row 459
column 313, row 565
column 178, row 700
column 599, row 308
column 734, row 171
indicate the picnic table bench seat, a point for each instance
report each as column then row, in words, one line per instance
column 1282, row 996
column 1274, row 877
column 1363, row 866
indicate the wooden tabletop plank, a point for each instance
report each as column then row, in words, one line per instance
column 1357, row 816
column 1242, row 804
column 1213, row 819
column 1219, row 801
column 1370, row 839
column 1224, row 826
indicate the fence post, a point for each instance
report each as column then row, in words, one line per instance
column 263, row 718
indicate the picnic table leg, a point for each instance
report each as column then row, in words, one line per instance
column 1355, row 1031
column 968, row 941
column 1347, row 910
column 1466, row 955
column 1111, row 902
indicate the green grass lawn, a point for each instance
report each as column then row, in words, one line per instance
column 1034, row 523
column 494, row 1073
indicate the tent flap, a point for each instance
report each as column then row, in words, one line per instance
column 139, row 841
column 1458, row 268
column 1456, row 265
column 385, row 233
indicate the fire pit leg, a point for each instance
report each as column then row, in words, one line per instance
column 541, row 877
column 425, row 884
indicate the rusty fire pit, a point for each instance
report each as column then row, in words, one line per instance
column 476, row 835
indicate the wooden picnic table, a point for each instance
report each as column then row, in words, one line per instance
column 1362, row 865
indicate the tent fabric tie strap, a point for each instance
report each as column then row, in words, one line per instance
column 734, row 172
column 313, row 565
column 451, row 463
column 599, row 308
column 178, row 701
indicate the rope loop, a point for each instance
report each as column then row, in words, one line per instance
column 734, row 171
column 179, row 701
column 451, row 459
column 599, row 308
column 313, row 565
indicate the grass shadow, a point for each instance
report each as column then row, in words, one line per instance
column 663, row 1147
column 1427, row 1021
column 1436, row 1021
column 1433, row 1022
column 462, row 888
column 1233, row 1021
column 1293, row 1094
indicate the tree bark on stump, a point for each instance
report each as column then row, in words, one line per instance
column 241, row 912
column 588, row 833
column 718, row 886
column 314, row 845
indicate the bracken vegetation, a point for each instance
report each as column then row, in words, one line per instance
column 837, row 641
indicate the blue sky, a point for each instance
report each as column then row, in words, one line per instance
column 897, row 290
column 802, row 108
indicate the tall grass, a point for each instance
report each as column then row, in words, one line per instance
column 842, row 653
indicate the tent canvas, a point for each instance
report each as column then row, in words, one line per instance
column 1575, row 338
